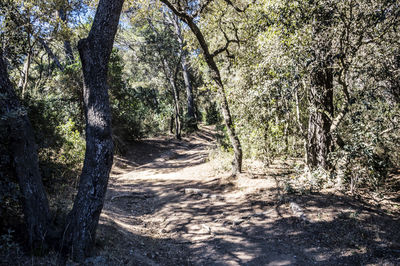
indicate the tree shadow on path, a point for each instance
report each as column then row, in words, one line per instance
column 169, row 219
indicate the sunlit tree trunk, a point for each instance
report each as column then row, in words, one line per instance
column 23, row 83
column 320, row 95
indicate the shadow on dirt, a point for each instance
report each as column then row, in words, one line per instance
column 156, row 220
column 203, row 230
column 169, row 154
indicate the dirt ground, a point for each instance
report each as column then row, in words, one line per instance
column 167, row 205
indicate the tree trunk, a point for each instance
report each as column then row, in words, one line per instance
column 300, row 126
column 94, row 53
column 320, row 96
column 215, row 75
column 67, row 43
column 319, row 136
column 25, row 159
column 171, row 124
column 176, row 108
column 237, row 148
column 51, row 54
column 171, row 78
column 23, row 83
column 192, row 122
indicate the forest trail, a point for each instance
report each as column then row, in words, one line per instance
column 167, row 205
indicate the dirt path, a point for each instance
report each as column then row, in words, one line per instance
column 167, row 206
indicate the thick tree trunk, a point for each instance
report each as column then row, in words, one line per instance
column 25, row 159
column 319, row 143
column 94, row 53
column 320, row 96
column 185, row 69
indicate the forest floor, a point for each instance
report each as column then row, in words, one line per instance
column 167, row 205
column 170, row 203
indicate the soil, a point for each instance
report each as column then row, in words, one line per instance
column 168, row 205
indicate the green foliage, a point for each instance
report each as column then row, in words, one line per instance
column 371, row 145
column 212, row 114
column 73, row 145
column 139, row 110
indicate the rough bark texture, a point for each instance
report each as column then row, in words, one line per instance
column 94, row 53
column 192, row 121
column 321, row 100
column 25, row 160
column 216, row 76
column 320, row 97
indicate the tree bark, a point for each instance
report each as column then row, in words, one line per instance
column 320, row 97
column 319, row 136
column 216, row 76
column 25, row 160
column 94, row 52
column 185, row 69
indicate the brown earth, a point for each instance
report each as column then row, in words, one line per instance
column 167, row 205
column 170, row 203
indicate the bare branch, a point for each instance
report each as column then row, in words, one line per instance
column 229, row 2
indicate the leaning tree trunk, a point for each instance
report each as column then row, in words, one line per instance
column 25, row 160
column 94, row 52
column 216, row 76
column 319, row 143
column 237, row 148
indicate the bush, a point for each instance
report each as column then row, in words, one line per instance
column 212, row 115
column 73, row 147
